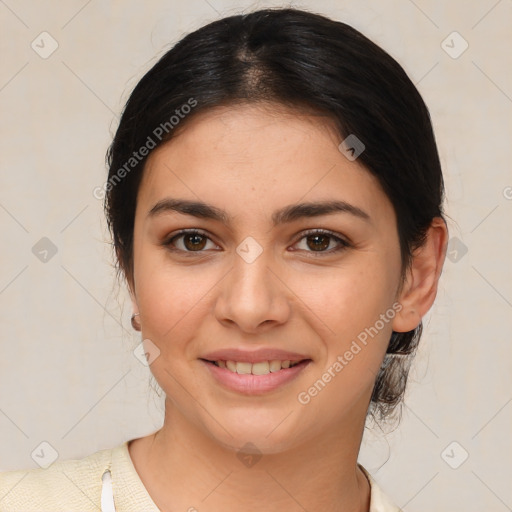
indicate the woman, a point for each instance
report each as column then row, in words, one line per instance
column 275, row 200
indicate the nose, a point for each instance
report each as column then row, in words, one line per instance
column 253, row 296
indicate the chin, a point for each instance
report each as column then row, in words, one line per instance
column 261, row 433
column 255, row 445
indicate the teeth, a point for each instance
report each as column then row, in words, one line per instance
column 275, row 366
column 261, row 368
column 243, row 368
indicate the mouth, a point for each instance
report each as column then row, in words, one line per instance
column 257, row 368
column 256, row 377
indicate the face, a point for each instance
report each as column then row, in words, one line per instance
column 255, row 270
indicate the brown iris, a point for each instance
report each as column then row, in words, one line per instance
column 194, row 241
column 320, row 242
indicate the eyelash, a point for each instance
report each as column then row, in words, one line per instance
column 343, row 244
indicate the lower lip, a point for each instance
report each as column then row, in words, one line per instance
column 255, row 384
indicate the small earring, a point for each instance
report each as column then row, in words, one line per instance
column 135, row 324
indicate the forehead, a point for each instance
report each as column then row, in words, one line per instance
column 250, row 154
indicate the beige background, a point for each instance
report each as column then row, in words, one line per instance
column 68, row 375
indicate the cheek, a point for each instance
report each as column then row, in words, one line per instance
column 349, row 300
column 172, row 302
column 170, row 297
column 354, row 311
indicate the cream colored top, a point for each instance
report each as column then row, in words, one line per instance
column 105, row 481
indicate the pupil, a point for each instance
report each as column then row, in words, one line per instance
column 317, row 245
column 196, row 244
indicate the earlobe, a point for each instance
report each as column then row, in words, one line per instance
column 420, row 288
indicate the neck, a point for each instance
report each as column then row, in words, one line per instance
column 185, row 469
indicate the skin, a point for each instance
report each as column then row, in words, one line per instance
column 251, row 161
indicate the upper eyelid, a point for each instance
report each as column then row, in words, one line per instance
column 327, row 232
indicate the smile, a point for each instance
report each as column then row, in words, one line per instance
column 260, row 368
column 255, row 378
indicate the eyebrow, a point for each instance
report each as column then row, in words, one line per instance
column 285, row 215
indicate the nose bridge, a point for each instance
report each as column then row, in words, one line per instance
column 252, row 295
column 251, row 279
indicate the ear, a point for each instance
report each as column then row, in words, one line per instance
column 420, row 287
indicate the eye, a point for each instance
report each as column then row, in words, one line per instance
column 313, row 241
column 189, row 240
column 319, row 241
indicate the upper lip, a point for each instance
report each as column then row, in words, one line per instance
column 253, row 356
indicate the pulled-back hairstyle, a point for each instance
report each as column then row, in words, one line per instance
column 304, row 61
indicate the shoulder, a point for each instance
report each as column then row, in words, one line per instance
column 73, row 484
column 379, row 501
